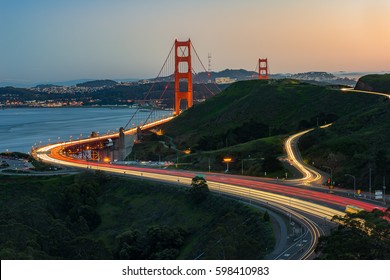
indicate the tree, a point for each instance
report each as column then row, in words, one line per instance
column 361, row 236
column 199, row 189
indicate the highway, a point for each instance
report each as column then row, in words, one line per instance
column 307, row 207
column 219, row 184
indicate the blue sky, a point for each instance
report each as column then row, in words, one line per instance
column 63, row 40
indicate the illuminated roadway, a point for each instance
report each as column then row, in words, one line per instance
column 366, row 91
column 294, row 157
column 307, row 207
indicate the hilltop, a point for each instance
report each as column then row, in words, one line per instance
column 375, row 82
column 98, row 83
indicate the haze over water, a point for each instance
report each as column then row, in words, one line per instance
column 22, row 128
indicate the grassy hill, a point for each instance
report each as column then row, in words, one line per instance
column 93, row 216
column 254, row 109
column 353, row 144
column 379, row 83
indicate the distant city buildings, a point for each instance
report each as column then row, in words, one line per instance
column 225, row 80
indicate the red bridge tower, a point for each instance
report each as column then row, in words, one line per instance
column 183, row 73
column 263, row 69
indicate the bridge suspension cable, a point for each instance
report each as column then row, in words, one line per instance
column 206, row 71
column 167, row 61
column 167, row 73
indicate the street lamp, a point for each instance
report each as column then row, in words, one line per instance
column 354, row 184
column 227, row 160
column 242, row 164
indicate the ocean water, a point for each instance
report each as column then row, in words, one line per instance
column 22, row 128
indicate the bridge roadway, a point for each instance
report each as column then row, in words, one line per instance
column 307, row 207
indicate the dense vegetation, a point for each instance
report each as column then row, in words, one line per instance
column 362, row 236
column 92, row 216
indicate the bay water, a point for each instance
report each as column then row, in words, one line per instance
column 23, row 128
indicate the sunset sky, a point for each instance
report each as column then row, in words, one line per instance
column 59, row 40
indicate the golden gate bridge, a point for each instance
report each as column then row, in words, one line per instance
column 177, row 74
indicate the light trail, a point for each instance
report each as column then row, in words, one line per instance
column 309, row 174
column 366, row 91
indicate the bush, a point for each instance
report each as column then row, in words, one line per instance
column 199, row 189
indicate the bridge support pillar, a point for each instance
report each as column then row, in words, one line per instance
column 263, row 69
column 183, row 73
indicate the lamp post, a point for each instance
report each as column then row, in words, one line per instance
column 354, row 184
column 369, row 184
column 384, row 189
column 242, row 163
column 227, row 160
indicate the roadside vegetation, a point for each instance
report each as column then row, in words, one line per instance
column 361, row 236
column 94, row 216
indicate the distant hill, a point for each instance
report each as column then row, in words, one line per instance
column 46, row 86
column 98, row 83
column 254, row 109
column 323, row 78
column 376, row 82
column 239, row 74
column 317, row 76
column 12, row 91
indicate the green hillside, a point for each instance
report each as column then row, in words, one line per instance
column 255, row 109
column 379, row 83
column 353, row 144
